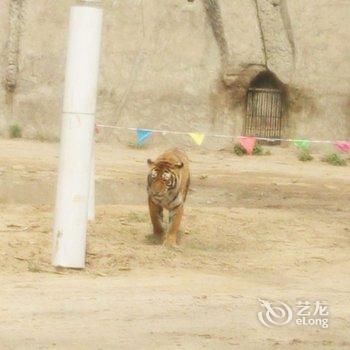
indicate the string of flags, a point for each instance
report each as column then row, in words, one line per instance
column 247, row 142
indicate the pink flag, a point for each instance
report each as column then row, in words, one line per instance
column 342, row 146
column 248, row 143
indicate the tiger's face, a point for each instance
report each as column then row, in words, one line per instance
column 161, row 179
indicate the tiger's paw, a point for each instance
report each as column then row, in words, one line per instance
column 170, row 241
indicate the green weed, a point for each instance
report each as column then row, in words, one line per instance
column 305, row 156
column 15, row 131
column 334, row 159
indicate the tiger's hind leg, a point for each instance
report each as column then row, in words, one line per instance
column 175, row 216
column 156, row 214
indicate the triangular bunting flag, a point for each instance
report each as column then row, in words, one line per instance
column 342, row 146
column 248, row 143
column 197, row 137
column 303, row 144
column 142, row 136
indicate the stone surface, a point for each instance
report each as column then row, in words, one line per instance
column 161, row 65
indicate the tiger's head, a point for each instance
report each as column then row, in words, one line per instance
column 163, row 177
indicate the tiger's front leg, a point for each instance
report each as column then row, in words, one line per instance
column 175, row 217
column 156, row 214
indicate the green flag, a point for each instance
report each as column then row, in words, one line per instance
column 303, row 144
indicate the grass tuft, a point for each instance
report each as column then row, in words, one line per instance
column 305, row 156
column 33, row 266
column 239, row 150
column 258, row 150
column 135, row 145
column 15, row 131
column 334, row 159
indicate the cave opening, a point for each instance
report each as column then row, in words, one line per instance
column 265, row 108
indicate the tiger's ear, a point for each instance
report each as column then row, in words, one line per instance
column 179, row 165
column 150, row 162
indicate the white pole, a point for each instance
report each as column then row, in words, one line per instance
column 79, row 107
column 91, row 210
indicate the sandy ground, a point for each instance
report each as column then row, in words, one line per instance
column 254, row 227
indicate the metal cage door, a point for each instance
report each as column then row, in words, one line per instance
column 264, row 113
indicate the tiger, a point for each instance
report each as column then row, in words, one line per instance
column 168, row 182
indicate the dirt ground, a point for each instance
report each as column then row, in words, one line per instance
column 255, row 227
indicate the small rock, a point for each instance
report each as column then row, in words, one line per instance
column 124, row 268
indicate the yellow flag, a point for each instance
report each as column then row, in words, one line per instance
column 197, row 137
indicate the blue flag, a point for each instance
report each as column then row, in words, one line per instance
column 142, row 136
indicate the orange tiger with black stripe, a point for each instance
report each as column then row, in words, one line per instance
column 167, row 186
